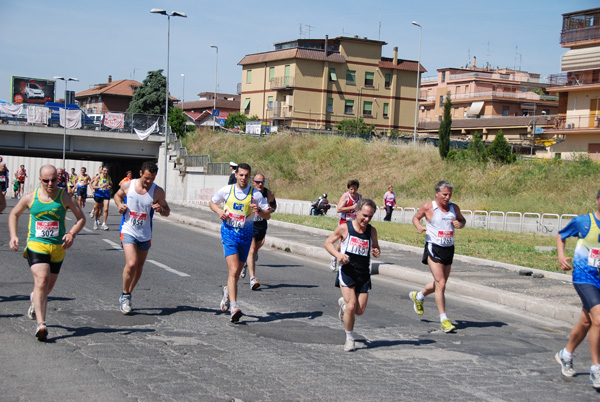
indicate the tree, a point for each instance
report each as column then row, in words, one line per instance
column 445, row 128
column 149, row 98
column 177, row 122
column 354, row 126
column 476, row 149
column 500, row 149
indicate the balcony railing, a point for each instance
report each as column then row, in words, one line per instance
column 580, row 35
column 431, row 78
column 530, row 96
column 282, row 82
column 578, row 121
column 282, row 111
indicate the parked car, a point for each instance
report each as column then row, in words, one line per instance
column 98, row 119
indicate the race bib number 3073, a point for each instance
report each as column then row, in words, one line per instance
column 46, row 229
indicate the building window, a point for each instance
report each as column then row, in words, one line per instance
column 504, row 110
column 287, row 75
column 349, row 107
column 369, row 79
column 329, row 105
column 441, row 100
column 386, row 107
column 271, row 73
column 332, row 74
column 270, row 103
column 443, row 76
column 246, row 107
column 249, row 77
column 351, row 77
column 388, row 80
column 367, row 108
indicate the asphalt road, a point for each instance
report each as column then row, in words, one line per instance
column 179, row 346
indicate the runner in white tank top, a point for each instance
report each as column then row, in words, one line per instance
column 443, row 217
column 144, row 199
column 347, row 208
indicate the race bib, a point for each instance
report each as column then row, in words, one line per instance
column 594, row 258
column 358, row 246
column 235, row 220
column 46, row 229
column 137, row 218
column 350, row 216
column 2, row 178
column 446, row 237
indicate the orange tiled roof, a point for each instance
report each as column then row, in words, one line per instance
column 117, row 88
column 407, row 65
column 293, row 53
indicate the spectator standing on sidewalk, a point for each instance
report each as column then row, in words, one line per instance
column 586, row 280
column 389, row 202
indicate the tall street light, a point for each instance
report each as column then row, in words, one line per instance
column 418, row 82
column 172, row 14
column 66, row 80
column 215, row 94
column 183, row 93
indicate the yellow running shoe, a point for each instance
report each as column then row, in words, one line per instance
column 417, row 305
column 447, row 326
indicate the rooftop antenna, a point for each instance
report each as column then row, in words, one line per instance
column 133, row 73
column 300, row 30
column 468, row 58
column 519, row 57
column 309, row 29
column 487, row 55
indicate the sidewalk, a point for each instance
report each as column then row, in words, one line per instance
column 546, row 293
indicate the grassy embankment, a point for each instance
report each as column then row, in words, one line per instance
column 302, row 167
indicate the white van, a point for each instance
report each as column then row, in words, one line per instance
column 97, row 119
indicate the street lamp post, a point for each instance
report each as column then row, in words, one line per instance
column 183, row 93
column 215, row 94
column 418, row 82
column 172, row 14
column 66, row 80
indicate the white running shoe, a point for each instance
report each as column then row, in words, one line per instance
column 31, row 309
column 236, row 314
column 342, row 305
column 125, row 304
column 95, row 225
column 349, row 346
column 225, row 300
column 104, row 227
column 41, row 332
column 254, row 283
column 243, row 273
column 333, row 264
column 92, row 213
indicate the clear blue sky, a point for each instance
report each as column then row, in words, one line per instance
column 91, row 40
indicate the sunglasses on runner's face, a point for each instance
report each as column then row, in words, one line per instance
column 259, row 181
column 50, row 180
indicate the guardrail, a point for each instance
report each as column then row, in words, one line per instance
column 511, row 221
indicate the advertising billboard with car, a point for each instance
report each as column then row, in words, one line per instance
column 32, row 90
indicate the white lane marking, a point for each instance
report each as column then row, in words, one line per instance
column 88, row 230
column 167, row 268
column 113, row 244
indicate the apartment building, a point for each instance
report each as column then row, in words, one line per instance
column 578, row 123
column 106, row 97
column 316, row 83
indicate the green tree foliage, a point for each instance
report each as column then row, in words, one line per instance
column 354, row 126
column 445, row 128
column 149, row 97
column 177, row 122
column 500, row 150
column 476, row 149
column 238, row 120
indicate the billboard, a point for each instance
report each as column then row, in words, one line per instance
column 32, row 90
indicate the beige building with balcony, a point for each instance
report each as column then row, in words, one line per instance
column 316, row 83
column 578, row 122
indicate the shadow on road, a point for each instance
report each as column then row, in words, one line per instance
column 384, row 344
column 284, row 285
column 479, row 324
column 86, row 331
column 274, row 316
column 19, row 298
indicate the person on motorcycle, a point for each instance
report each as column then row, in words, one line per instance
column 320, row 206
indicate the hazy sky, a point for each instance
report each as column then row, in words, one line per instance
column 91, row 40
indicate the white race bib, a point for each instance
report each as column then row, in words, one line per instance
column 235, row 220
column 46, row 229
column 594, row 258
column 358, row 246
column 446, row 237
column 137, row 218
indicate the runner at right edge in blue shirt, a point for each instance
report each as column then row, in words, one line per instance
column 586, row 280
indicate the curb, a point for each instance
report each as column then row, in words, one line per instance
column 568, row 314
